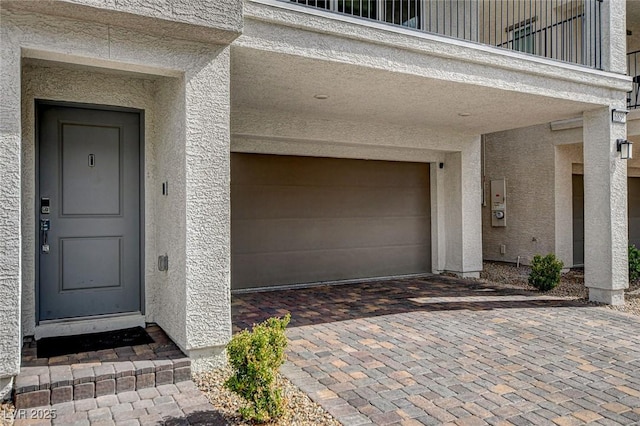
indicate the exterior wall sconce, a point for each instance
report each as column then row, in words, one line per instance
column 619, row 115
column 625, row 148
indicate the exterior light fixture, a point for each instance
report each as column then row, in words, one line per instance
column 619, row 115
column 625, row 149
column 321, row 96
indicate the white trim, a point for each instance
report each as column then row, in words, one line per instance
column 238, row 138
column 325, row 283
column 85, row 325
column 571, row 123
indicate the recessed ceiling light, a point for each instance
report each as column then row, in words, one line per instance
column 464, row 114
column 321, row 96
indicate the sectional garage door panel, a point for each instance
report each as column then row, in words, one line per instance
column 306, row 201
column 633, row 203
column 267, row 236
column 633, row 186
column 307, row 267
column 303, row 219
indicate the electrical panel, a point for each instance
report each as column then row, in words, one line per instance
column 498, row 203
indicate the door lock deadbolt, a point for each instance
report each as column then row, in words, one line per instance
column 45, row 206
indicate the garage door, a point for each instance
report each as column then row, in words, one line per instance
column 633, row 194
column 633, row 202
column 303, row 219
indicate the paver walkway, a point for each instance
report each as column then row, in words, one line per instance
column 445, row 351
column 422, row 351
column 146, row 384
column 175, row 404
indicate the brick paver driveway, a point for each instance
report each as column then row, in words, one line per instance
column 437, row 350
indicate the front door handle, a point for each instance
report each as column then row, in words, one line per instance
column 45, row 225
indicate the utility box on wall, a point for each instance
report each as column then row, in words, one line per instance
column 498, row 203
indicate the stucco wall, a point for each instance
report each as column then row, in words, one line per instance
column 208, row 267
column 10, row 221
column 184, row 87
column 614, row 36
column 314, row 34
column 538, row 163
column 215, row 21
column 258, row 130
column 566, row 157
column 525, row 158
column 171, row 212
column 570, row 160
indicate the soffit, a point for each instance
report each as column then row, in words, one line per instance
column 266, row 80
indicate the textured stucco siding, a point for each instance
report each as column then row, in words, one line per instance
column 256, row 130
column 183, row 87
column 569, row 159
column 209, row 13
column 325, row 36
column 208, row 298
column 614, row 36
column 605, row 207
column 526, row 159
column 538, row 163
column 10, row 199
column 471, row 213
column 212, row 21
column 171, row 212
column 566, row 158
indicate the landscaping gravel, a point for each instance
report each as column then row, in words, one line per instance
column 571, row 285
column 6, row 414
column 301, row 410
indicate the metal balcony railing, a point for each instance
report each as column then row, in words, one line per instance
column 633, row 69
column 565, row 30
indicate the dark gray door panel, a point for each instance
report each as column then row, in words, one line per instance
column 633, row 193
column 89, row 169
column 633, row 200
column 578, row 219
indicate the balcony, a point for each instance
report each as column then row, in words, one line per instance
column 563, row 30
column 633, row 69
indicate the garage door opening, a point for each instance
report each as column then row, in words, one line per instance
column 633, row 203
column 297, row 220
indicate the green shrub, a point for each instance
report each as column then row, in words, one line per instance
column 255, row 357
column 545, row 272
column 634, row 263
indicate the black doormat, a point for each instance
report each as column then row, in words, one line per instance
column 65, row 345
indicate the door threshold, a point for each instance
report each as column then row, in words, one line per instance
column 86, row 325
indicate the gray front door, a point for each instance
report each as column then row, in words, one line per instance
column 89, row 191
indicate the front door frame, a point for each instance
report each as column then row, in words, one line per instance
column 36, row 206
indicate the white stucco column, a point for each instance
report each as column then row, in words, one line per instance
column 438, row 218
column 10, row 220
column 605, row 209
column 563, row 204
column 614, row 35
column 208, row 242
column 463, row 210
